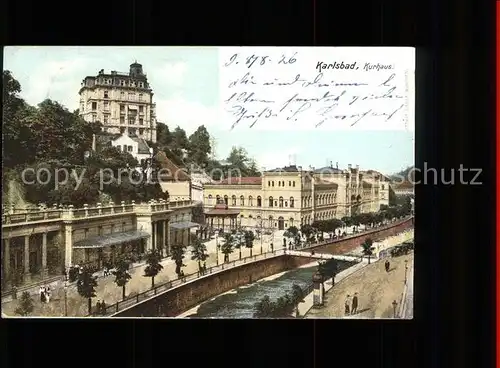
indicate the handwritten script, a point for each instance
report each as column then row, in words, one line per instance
column 274, row 88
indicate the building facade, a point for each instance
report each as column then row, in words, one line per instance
column 122, row 102
column 136, row 146
column 292, row 197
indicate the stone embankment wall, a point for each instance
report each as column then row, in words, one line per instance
column 179, row 299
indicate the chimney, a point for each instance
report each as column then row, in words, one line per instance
column 331, row 164
column 349, row 167
column 93, row 142
column 337, row 164
column 357, row 167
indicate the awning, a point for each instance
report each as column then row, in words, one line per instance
column 110, row 239
column 183, row 225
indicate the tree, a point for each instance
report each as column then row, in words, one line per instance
column 249, row 239
column 85, row 285
column 199, row 252
column 199, row 146
column 122, row 276
column 227, row 246
column 153, row 266
column 263, row 308
column 308, row 231
column 368, row 248
column 292, row 233
column 178, row 252
column 26, row 305
column 239, row 240
column 297, row 297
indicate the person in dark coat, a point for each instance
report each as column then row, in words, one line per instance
column 354, row 308
column 387, row 265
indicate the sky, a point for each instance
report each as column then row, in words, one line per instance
column 185, row 82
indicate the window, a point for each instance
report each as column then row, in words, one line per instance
column 293, row 183
column 272, row 183
column 122, row 107
column 99, row 231
column 226, row 200
column 383, row 186
column 271, row 201
column 289, row 183
column 131, row 120
column 94, row 105
column 106, row 105
column 140, row 96
column 105, row 119
column 130, row 148
column 86, row 233
column 131, row 96
column 217, row 199
column 209, row 199
column 141, row 108
column 141, row 131
column 286, row 203
column 141, row 84
column 242, row 201
column 269, row 183
column 94, row 117
column 281, row 202
column 291, row 202
column 122, row 120
column 122, row 83
column 122, row 130
column 250, row 201
column 122, row 95
column 119, row 147
column 132, row 131
column 106, row 94
column 283, row 183
column 259, row 201
column 279, row 183
column 141, row 121
column 233, row 200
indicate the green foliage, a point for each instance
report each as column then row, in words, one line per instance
column 122, row 276
column 227, row 245
column 198, row 252
column 178, row 251
column 153, row 265
column 86, row 284
column 282, row 307
column 26, row 305
column 328, row 268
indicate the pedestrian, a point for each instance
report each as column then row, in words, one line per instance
column 387, row 265
column 354, row 308
column 98, row 306
column 347, row 303
column 41, row 294
column 103, row 308
column 47, row 294
column 272, row 247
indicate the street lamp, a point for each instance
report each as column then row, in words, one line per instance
column 217, row 248
column 394, row 305
column 65, row 298
column 406, row 269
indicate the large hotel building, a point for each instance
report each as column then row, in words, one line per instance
column 122, row 102
column 291, row 196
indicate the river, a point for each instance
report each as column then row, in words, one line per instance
column 239, row 303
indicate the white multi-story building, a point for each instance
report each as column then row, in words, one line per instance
column 122, row 102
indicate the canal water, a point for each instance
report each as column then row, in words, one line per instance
column 239, row 303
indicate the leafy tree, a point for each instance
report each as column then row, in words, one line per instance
column 199, row 146
column 297, row 297
column 263, row 308
column 178, row 251
column 122, row 276
column 308, row 231
column 86, row 285
column 26, row 305
column 368, row 248
column 239, row 240
column 249, row 239
column 199, row 252
column 292, row 233
column 153, row 266
column 227, row 245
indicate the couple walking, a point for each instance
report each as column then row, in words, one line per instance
column 351, row 307
column 45, row 294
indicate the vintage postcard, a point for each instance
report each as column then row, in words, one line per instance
column 208, row 182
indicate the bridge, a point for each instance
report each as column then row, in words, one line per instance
column 324, row 256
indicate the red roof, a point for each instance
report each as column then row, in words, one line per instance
column 251, row 180
column 171, row 171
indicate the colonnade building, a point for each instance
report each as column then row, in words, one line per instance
column 291, row 196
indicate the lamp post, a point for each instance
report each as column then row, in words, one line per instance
column 65, row 298
column 217, row 248
column 406, row 270
column 394, row 305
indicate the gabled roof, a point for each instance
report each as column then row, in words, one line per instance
column 327, row 169
column 291, row 168
column 173, row 171
column 142, row 146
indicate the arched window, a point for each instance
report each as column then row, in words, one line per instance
column 271, row 222
column 259, row 201
column 217, row 198
column 250, row 216
column 283, row 183
column 242, row 201
column 291, row 202
column 271, row 202
column 268, row 183
column 279, row 183
column 383, row 186
column 226, row 200
column 281, row 202
column 233, row 200
column 250, row 200
column 272, row 183
column 293, row 183
column 209, row 199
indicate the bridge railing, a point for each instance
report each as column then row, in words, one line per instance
column 135, row 299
